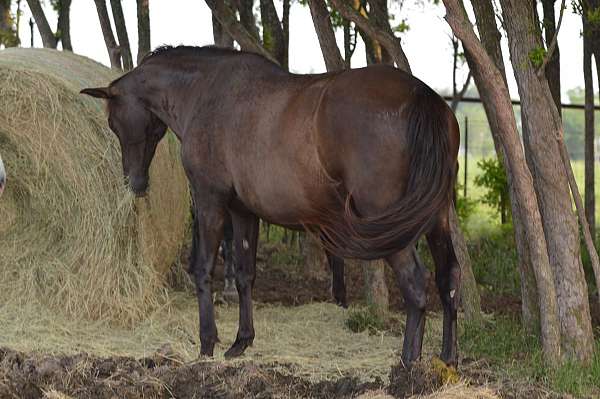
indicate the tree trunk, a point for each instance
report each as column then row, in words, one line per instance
column 377, row 295
column 236, row 29
column 544, row 126
column 329, row 49
column 285, row 25
column 316, row 261
column 8, row 33
column 63, row 31
column 553, row 66
column 490, row 39
column 143, row 18
column 390, row 42
column 246, row 10
column 48, row 38
column 379, row 14
column 495, row 96
column 470, row 299
column 109, row 39
column 222, row 38
column 590, row 200
column 273, row 36
column 121, row 29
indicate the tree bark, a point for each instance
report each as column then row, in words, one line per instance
column 222, row 38
column 273, row 36
column 331, row 53
column 8, row 32
column 48, row 38
column 245, row 8
column 143, row 18
column 122, row 35
column 590, row 200
column 285, row 25
column 490, row 39
column 470, row 298
column 379, row 14
column 316, row 260
column 390, row 42
column 377, row 295
column 495, row 96
column 553, row 67
column 240, row 34
column 63, row 32
column 544, row 126
column 114, row 53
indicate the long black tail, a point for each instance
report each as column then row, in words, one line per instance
column 429, row 189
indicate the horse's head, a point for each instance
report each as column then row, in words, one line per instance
column 2, row 176
column 138, row 130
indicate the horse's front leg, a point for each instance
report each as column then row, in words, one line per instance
column 447, row 277
column 245, row 238
column 209, row 218
column 412, row 279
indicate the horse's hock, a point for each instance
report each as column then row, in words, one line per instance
column 71, row 236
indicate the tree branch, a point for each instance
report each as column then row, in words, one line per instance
column 331, row 53
column 387, row 40
column 236, row 30
column 552, row 47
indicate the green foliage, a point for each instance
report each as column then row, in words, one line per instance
column 365, row 319
column 537, row 55
column 402, row 27
column 593, row 16
column 495, row 261
column 502, row 340
column 465, row 206
column 494, row 180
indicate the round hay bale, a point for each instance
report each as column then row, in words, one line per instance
column 72, row 237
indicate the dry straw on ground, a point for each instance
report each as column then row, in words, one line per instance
column 72, row 238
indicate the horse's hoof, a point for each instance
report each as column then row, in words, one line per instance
column 238, row 348
column 449, row 360
column 342, row 303
column 207, row 349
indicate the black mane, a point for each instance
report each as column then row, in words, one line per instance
column 198, row 50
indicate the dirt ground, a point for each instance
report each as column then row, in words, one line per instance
column 164, row 375
column 302, row 350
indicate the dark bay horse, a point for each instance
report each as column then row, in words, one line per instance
column 364, row 159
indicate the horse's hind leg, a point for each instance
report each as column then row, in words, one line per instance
column 447, row 277
column 245, row 237
column 208, row 230
column 412, row 279
column 229, row 292
column 338, row 286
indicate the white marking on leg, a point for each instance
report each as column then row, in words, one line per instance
column 452, row 292
column 245, row 244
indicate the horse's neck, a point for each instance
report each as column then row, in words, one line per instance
column 171, row 100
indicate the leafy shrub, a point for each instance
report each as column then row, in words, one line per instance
column 494, row 180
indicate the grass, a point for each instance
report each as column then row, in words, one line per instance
column 516, row 356
column 313, row 338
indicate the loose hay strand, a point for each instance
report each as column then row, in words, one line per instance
column 73, row 239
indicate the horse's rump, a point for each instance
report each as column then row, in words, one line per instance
column 424, row 181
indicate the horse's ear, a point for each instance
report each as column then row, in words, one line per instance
column 98, row 92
